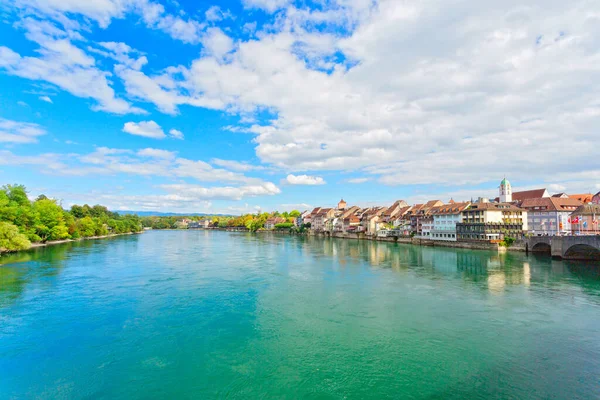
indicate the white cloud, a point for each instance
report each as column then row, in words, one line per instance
column 215, row 13
column 297, row 206
column 149, row 129
column 304, row 180
column 205, row 172
column 150, row 162
column 22, row 104
column 217, row 43
column 176, row 134
column 403, row 103
column 358, row 180
column 156, row 153
column 46, row 161
column 267, row 5
column 46, row 99
column 19, row 132
column 409, row 108
column 122, row 53
column 223, row 193
column 154, row 16
column 236, row 165
column 104, row 11
column 63, row 64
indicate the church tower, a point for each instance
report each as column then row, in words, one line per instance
column 505, row 191
column 341, row 205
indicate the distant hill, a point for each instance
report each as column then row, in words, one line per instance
column 170, row 214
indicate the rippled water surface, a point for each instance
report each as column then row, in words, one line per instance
column 195, row 314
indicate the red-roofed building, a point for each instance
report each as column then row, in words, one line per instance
column 550, row 215
column 271, row 222
column 585, row 198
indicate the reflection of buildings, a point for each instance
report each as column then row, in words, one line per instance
column 491, row 272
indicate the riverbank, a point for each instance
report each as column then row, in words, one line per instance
column 56, row 242
column 416, row 241
column 518, row 246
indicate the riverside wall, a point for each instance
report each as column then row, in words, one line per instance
column 518, row 246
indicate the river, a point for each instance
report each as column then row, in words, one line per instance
column 198, row 314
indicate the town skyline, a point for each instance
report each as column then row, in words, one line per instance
column 246, row 105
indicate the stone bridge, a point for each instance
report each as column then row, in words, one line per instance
column 566, row 247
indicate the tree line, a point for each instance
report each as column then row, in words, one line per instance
column 23, row 221
column 252, row 222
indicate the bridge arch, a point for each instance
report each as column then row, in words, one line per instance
column 582, row 252
column 541, row 247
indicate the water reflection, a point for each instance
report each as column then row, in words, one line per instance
column 39, row 266
column 492, row 271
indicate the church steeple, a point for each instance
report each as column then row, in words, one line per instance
column 505, row 191
column 341, row 205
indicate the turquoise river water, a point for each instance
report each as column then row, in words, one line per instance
column 206, row 315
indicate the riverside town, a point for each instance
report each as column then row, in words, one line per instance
column 511, row 215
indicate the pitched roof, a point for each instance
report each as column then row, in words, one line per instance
column 324, row 211
column 374, row 211
column 584, row 198
column 494, row 207
column 350, row 211
column 551, row 203
column 450, row 209
column 394, row 208
column 352, row 218
column 433, row 203
column 588, row 209
column 528, row 194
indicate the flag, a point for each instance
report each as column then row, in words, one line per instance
column 585, row 224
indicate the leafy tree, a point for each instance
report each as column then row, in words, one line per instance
column 295, row 213
column 17, row 193
column 86, row 227
column 78, row 211
column 11, row 239
column 51, row 222
column 286, row 225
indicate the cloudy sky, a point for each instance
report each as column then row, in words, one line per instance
column 236, row 105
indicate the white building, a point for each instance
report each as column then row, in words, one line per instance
column 505, row 191
column 445, row 219
column 319, row 221
column 426, row 226
column 550, row 215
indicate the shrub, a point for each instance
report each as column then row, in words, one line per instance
column 285, row 225
column 11, row 239
column 507, row 242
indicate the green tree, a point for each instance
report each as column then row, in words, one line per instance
column 11, row 239
column 78, row 211
column 86, row 227
column 17, row 193
column 51, row 222
column 295, row 213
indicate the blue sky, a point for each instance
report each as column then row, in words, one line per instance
column 233, row 106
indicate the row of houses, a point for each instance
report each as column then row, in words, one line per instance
column 533, row 212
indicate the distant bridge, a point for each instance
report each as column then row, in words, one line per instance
column 566, row 247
